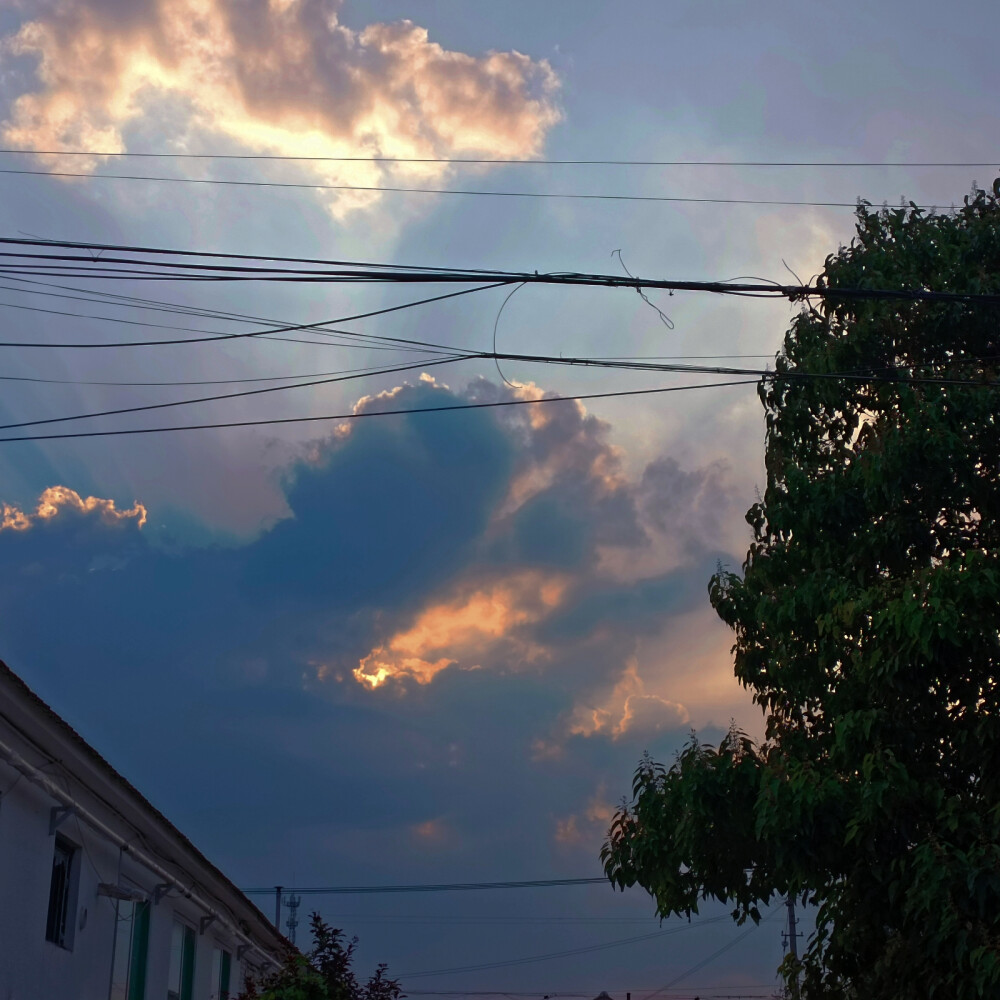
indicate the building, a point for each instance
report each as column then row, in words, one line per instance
column 101, row 897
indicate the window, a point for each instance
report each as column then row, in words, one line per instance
column 128, row 978
column 59, row 924
column 221, row 963
column 180, row 971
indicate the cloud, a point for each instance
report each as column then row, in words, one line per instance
column 534, row 592
column 66, row 537
column 416, row 546
column 280, row 77
column 464, row 628
column 431, row 831
column 588, row 826
column 66, row 504
column 628, row 709
column 695, row 507
column 399, row 640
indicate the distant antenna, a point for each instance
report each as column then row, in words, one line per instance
column 292, row 902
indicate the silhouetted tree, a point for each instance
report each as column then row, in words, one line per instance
column 324, row 973
column 867, row 625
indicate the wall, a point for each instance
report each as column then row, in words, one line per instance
column 32, row 968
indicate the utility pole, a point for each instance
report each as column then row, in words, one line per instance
column 793, row 944
column 277, row 907
column 292, row 902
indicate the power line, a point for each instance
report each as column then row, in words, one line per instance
column 397, row 189
column 518, row 920
column 757, row 373
column 698, row 966
column 425, row 363
column 544, row 993
column 291, row 328
column 370, row 369
column 550, row 956
column 139, row 302
column 345, row 272
column 372, row 342
column 513, row 161
column 339, row 890
column 310, row 375
column 495, row 993
column 447, row 408
column 42, row 242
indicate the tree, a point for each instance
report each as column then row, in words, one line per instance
column 866, row 627
column 325, row 973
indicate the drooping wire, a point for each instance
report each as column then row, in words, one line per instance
column 496, row 323
column 664, row 318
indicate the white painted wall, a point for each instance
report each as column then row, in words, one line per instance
column 32, row 968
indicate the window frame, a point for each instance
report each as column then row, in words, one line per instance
column 60, row 916
column 185, row 971
column 131, row 950
column 222, row 964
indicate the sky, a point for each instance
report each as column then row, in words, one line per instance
column 430, row 648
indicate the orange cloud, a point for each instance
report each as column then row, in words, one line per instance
column 281, row 77
column 61, row 499
column 588, row 825
column 463, row 629
column 568, row 830
column 628, row 709
column 432, row 831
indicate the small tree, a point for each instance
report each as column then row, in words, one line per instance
column 324, row 973
column 867, row 624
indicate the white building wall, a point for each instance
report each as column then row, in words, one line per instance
column 32, row 968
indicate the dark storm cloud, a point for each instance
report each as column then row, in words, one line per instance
column 462, row 554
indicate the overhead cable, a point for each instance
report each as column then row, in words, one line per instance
column 120, row 411
column 888, row 375
column 456, row 406
column 399, row 189
column 345, row 272
column 320, row 326
column 499, row 161
column 342, row 338
column 550, row 956
column 364, row 890
column 450, row 408
column 122, row 384
column 698, row 966
column 122, row 301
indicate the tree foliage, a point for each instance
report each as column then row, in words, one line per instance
column 324, row 973
column 866, row 627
